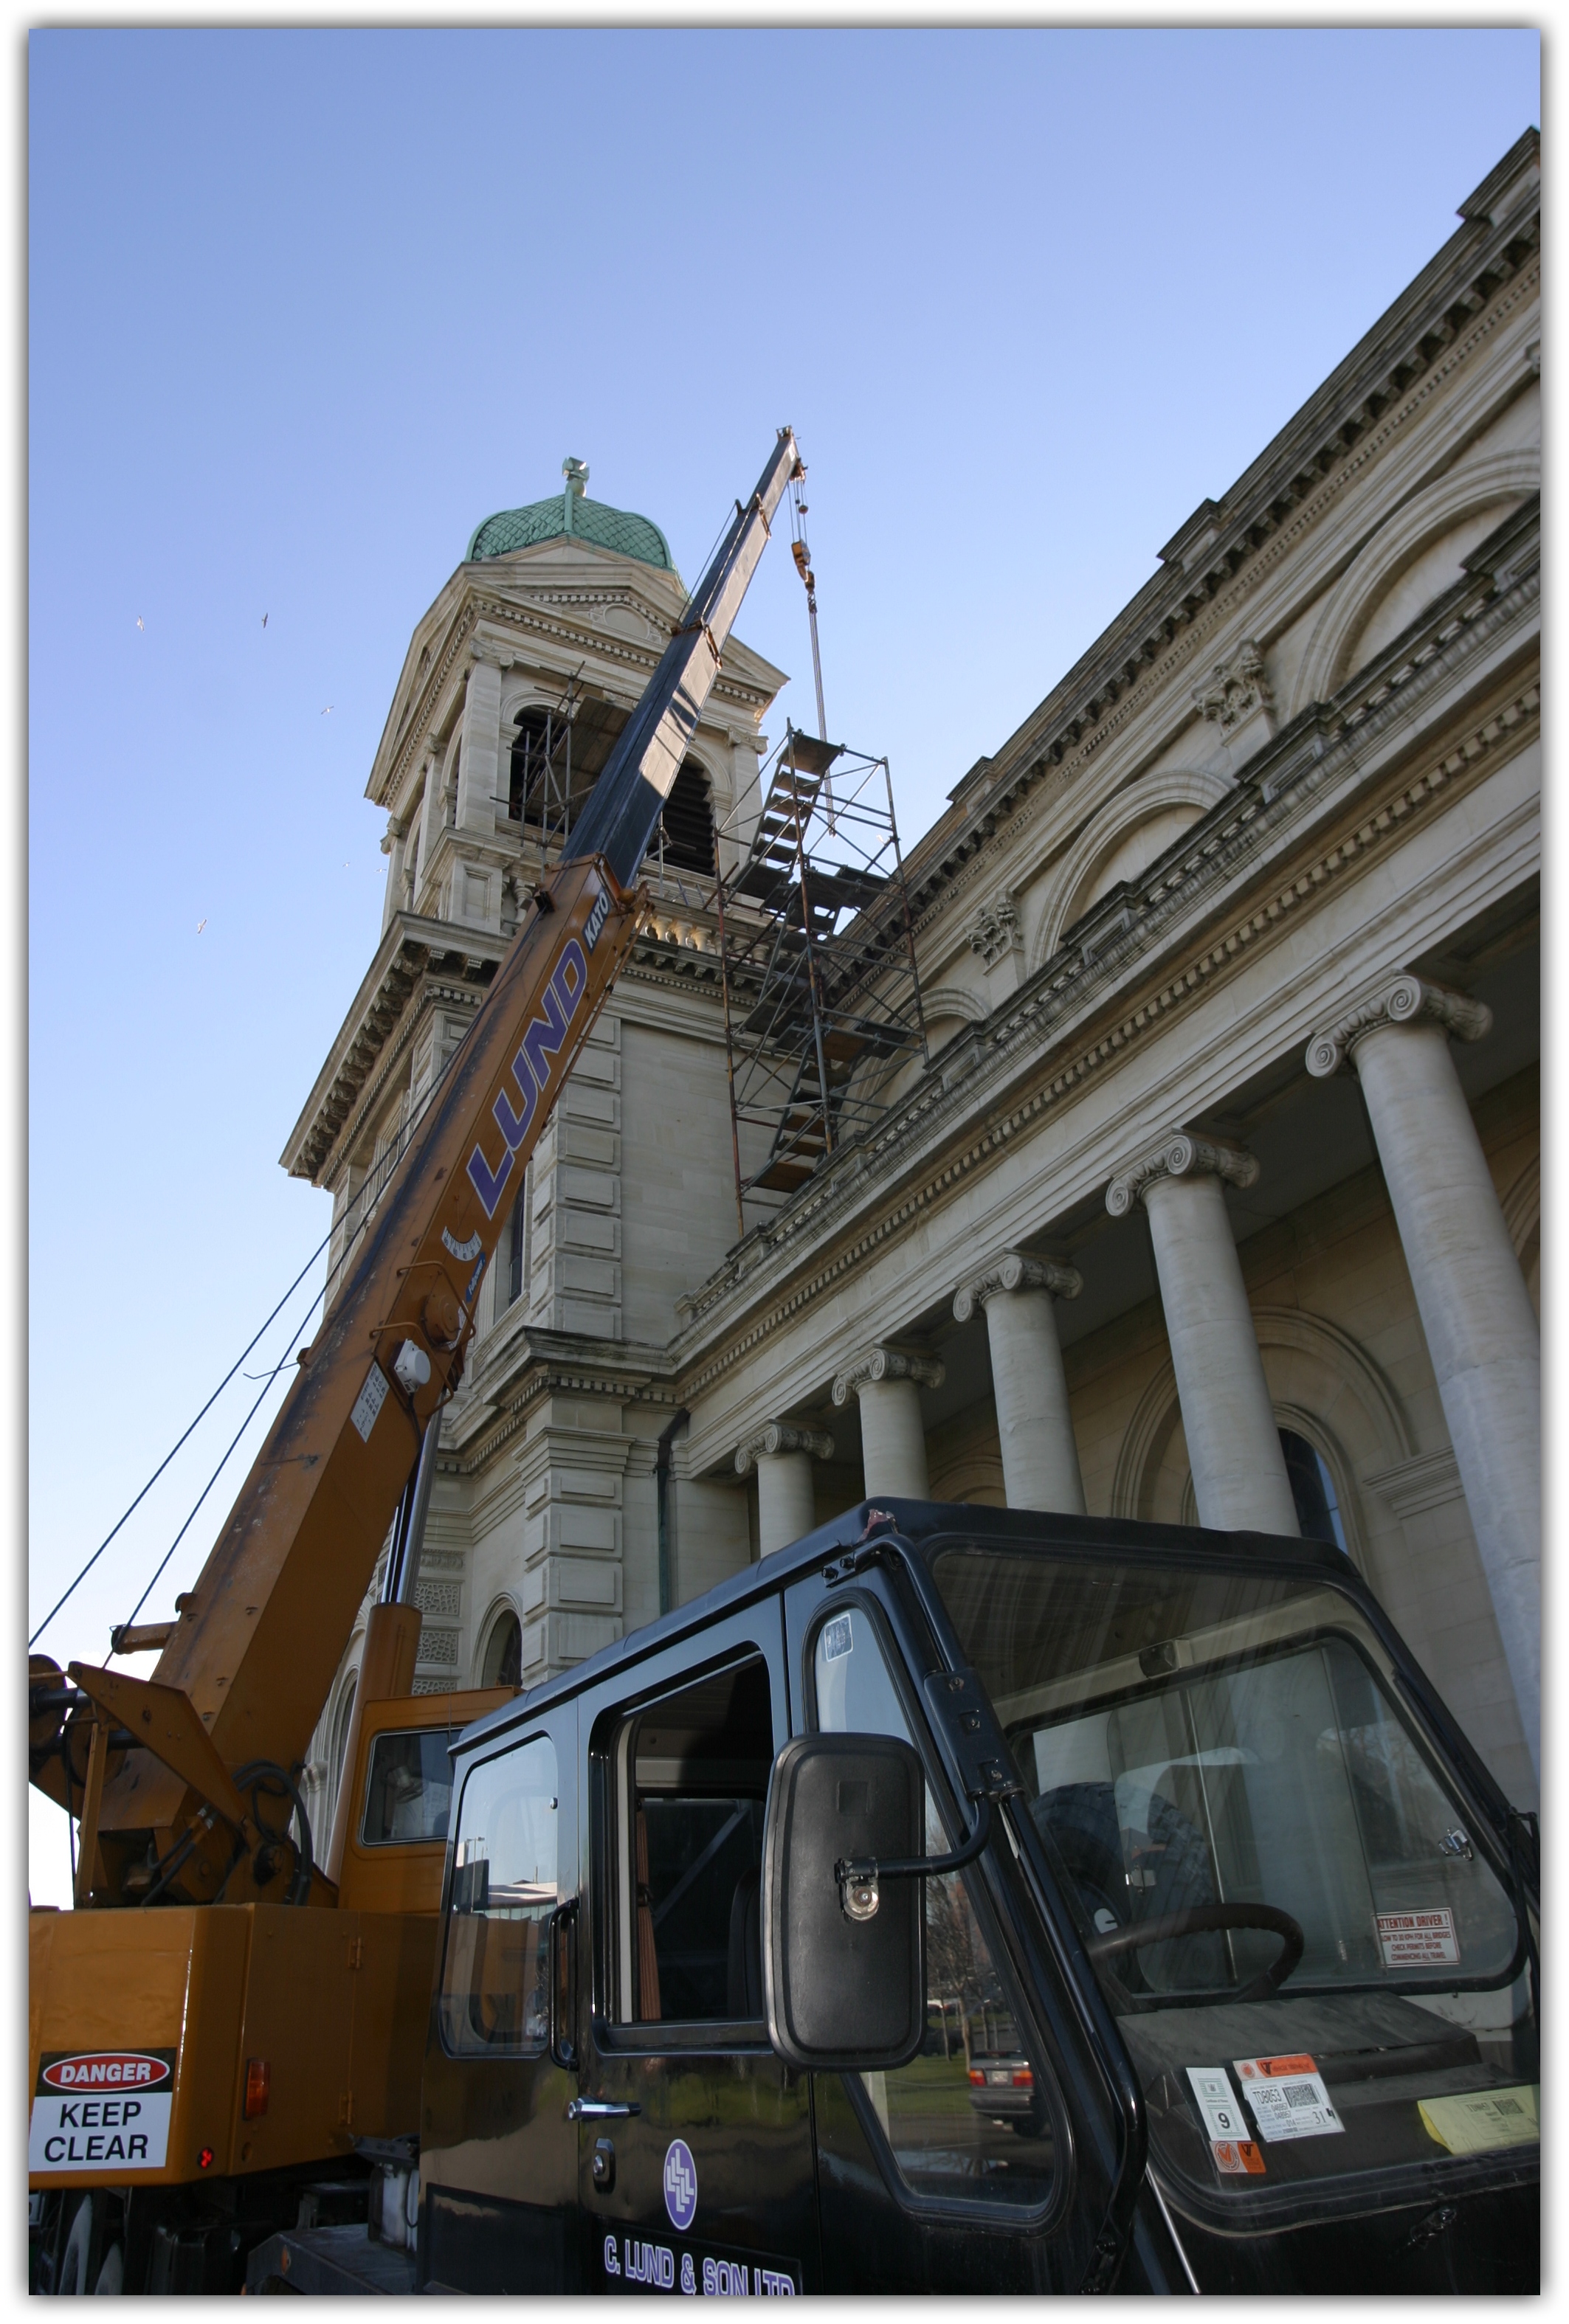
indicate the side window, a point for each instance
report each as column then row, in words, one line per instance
column 410, row 1792
column 967, row 2120
column 692, row 1780
column 495, row 1972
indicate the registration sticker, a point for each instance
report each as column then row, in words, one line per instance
column 96, row 2108
column 1234, row 2151
column 1419, row 1940
column 1288, row 2097
column 838, row 1638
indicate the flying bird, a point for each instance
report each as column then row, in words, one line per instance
column 200, row 925
column 327, row 712
column 141, row 624
column 263, row 621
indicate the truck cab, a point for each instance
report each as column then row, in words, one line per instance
column 1238, row 1916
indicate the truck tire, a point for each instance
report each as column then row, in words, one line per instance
column 73, row 2260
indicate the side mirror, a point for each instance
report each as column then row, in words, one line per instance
column 844, row 1969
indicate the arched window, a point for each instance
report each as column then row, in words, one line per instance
column 503, row 1653
column 689, row 821
column 1312, row 1490
column 340, row 1726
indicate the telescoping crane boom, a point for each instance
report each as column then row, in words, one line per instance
column 169, row 1772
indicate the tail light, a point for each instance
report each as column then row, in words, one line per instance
column 978, row 2078
column 1023, row 2078
column 258, row 2076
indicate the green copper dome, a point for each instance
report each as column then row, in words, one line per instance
column 571, row 516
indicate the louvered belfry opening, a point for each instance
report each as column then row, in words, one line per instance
column 558, row 750
column 822, row 997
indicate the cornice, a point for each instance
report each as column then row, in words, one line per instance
column 1175, row 618
column 560, row 1363
column 531, row 615
column 408, row 953
column 736, row 1287
column 1404, row 999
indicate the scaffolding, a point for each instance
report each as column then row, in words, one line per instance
column 822, row 999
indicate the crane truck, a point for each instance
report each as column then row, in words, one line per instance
column 955, row 1900
column 223, row 2021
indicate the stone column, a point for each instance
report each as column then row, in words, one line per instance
column 1239, row 1471
column 786, row 1502
column 1040, row 1455
column 1476, row 1313
column 886, row 1383
column 432, row 820
column 479, row 765
column 392, row 845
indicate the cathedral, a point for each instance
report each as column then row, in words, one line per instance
column 1211, row 1194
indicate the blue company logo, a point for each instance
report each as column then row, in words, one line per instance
column 544, row 1037
column 680, row 2184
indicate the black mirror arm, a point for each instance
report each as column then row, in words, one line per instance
column 864, row 1872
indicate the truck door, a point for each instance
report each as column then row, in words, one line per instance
column 498, row 2162
column 988, row 2164
column 694, row 2140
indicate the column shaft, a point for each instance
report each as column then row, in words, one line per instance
column 1040, row 1455
column 479, row 766
column 892, row 1440
column 786, row 1503
column 1477, row 1318
column 1239, row 1471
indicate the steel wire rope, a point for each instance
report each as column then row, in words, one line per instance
column 216, row 1473
column 415, row 1119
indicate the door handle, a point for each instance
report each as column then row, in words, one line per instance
column 598, row 2109
column 561, row 1971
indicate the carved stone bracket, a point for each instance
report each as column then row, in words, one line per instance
column 777, row 1437
column 1401, row 1001
column 1234, row 689
column 882, row 1363
column 1180, row 1155
column 1016, row 1271
column 993, row 931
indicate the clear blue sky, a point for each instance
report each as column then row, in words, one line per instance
column 305, row 306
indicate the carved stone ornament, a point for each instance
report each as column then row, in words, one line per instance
column 1401, row 1001
column 1015, row 1271
column 778, row 1437
column 886, row 1364
column 1180, row 1155
column 1234, row 689
column 994, row 928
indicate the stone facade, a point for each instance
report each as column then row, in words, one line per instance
column 1229, row 959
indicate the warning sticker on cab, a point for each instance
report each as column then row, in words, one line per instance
column 1419, row 1940
column 96, row 2108
column 1288, row 2097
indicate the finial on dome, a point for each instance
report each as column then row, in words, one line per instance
column 576, row 475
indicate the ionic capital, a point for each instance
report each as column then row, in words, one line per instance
column 1016, row 1271
column 882, row 1363
column 1403, row 1000
column 777, row 1436
column 1180, row 1155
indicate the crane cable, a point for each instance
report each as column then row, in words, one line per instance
column 168, row 1456
column 390, row 1164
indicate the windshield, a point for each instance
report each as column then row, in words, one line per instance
column 1316, row 1966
